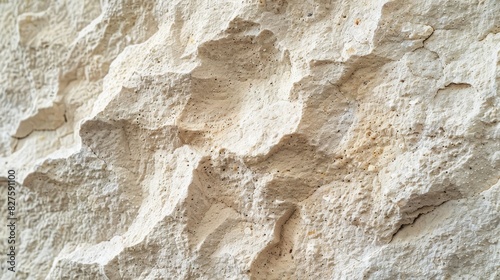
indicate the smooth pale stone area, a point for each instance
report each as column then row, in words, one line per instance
column 252, row 139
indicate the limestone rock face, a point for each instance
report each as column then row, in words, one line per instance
column 252, row 139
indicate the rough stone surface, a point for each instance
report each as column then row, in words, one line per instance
column 251, row 139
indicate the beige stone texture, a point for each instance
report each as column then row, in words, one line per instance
column 251, row 139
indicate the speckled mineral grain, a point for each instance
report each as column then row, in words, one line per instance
column 247, row 139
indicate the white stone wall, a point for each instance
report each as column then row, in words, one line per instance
column 254, row 139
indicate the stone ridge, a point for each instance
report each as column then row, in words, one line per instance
column 254, row 139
